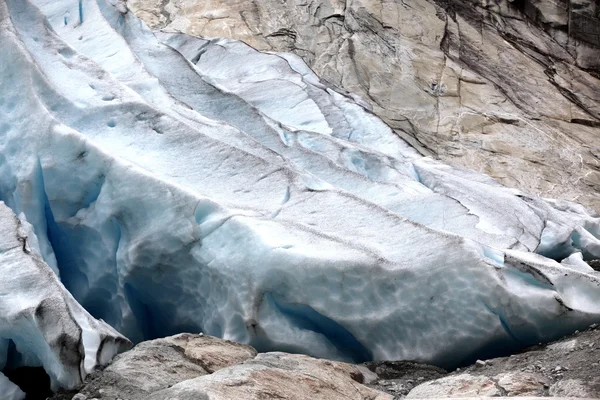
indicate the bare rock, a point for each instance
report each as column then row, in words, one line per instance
column 157, row 364
column 522, row 384
column 565, row 368
column 571, row 388
column 200, row 367
column 211, row 353
column 277, row 376
column 462, row 385
column 398, row 378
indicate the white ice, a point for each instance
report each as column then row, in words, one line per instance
column 185, row 184
column 46, row 325
column 8, row 390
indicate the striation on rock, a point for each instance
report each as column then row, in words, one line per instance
column 398, row 378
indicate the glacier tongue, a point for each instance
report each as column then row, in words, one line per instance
column 186, row 184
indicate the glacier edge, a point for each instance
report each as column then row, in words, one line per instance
column 304, row 225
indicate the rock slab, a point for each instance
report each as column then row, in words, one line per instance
column 196, row 367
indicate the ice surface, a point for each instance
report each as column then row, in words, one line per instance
column 9, row 390
column 185, row 184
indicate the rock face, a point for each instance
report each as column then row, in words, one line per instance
column 200, row 367
column 566, row 368
column 506, row 88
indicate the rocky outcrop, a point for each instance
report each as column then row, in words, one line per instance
column 398, row 378
column 158, row 364
column 202, row 367
column 566, row 368
column 506, row 88
column 277, row 376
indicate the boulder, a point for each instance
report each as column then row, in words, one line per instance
column 565, row 368
column 158, row 364
column 188, row 366
column 277, row 376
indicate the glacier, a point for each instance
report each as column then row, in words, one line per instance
column 41, row 320
column 9, row 390
column 169, row 183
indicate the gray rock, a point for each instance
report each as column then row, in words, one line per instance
column 462, row 385
column 201, row 367
column 157, row 364
column 566, row 368
column 398, row 377
column 506, row 88
column 277, row 376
